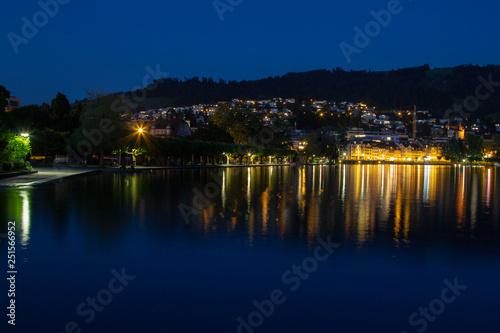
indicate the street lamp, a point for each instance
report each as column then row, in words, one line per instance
column 140, row 130
column 26, row 138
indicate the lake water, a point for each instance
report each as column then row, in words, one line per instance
column 350, row 248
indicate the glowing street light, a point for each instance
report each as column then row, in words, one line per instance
column 25, row 135
column 140, row 130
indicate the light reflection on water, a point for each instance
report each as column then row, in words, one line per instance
column 355, row 202
column 17, row 206
column 255, row 224
column 26, row 212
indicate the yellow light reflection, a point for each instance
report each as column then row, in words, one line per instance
column 26, row 218
column 488, row 188
column 249, row 191
column 223, row 190
column 343, row 183
column 427, row 173
column 265, row 210
column 461, row 199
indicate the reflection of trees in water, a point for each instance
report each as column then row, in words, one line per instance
column 354, row 202
column 16, row 206
column 358, row 203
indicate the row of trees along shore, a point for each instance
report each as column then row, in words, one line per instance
column 58, row 128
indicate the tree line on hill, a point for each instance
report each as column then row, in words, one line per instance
column 433, row 89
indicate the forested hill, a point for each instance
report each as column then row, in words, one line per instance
column 432, row 89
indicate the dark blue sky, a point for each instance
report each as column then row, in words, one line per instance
column 108, row 44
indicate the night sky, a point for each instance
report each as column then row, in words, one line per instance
column 109, row 44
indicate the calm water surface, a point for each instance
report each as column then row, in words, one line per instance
column 203, row 245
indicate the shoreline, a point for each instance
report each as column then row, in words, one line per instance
column 5, row 175
column 45, row 175
column 492, row 164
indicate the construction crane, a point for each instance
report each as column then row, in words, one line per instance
column 399, row 112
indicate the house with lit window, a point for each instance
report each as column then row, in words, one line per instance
column 12, row 103
column 171, row 127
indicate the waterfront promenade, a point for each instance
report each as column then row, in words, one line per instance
column 45, row 175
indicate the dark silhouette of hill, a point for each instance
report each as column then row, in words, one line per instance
column 432, row 89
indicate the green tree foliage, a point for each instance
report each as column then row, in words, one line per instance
column 185, row 150
column 31, row 118
column 307, row 119
column 454, row 150
column 472, row 148
column 4, row 94
column 17, row 149
column 49, row 142
column 475, row 147
column 246, row 127
column 101, row 129
column 212, row 133
column 242, row 124
column 322, row 143
column 494, row 146
column 13, row 148
column 63, row 118
column 277, row 134
column 59, row 107
column 48, row 125
column 496, row 140
column 4, row 140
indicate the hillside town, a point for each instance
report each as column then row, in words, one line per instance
column 322, row 131
column 384, row 135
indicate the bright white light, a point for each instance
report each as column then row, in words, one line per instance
column 25, row 233
column 25, row 135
